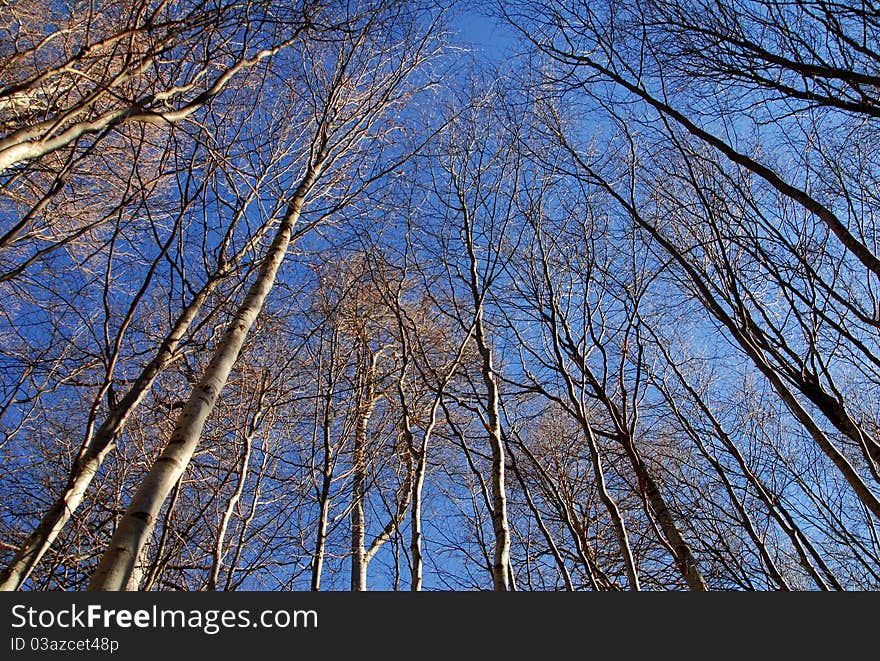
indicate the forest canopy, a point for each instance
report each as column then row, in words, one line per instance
column 405, row 295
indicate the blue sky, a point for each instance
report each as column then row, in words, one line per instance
column 488, row 36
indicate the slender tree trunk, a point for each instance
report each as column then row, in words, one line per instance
column 415, row 539
column 359, row 478
column 681, row 550
column 358, row 567
column 418, row 485
column 632, row 574
column 232, row 582
column 93, row 453
column 326, row 481
column 501, row 559
column 231, row 503
column 139, row 520
column 418, row 475
column 321, row 535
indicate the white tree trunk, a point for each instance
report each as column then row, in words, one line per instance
column 501, row 574
column 92, row 455
column 324, row 494
column 359, row 479
column 501, row 562
column 232, row 503
column 140, row 517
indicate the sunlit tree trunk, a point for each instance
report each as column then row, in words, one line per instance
column 233, row 500
column 366, row 403
column 94, row 452
column 501, row 561
column 140, row 517
column 326, row 473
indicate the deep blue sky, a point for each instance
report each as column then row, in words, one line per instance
column 488, row 36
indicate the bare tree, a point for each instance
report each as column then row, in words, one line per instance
column 347, row 106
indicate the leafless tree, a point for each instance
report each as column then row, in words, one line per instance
column 366, row 77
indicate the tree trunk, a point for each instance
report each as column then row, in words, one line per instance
column 324, row 495
column 501, row 560
column 92, row 455
column 415, row 543
column 138, row 521
column 232, row 502
column 359, row 478
column 681, row 551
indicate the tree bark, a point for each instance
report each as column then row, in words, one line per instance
column 326, row 477
column 232, row 502
column 681, row 550
column 140, row 518
column 359, row 478
column 501, row 560
column 94, row 452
